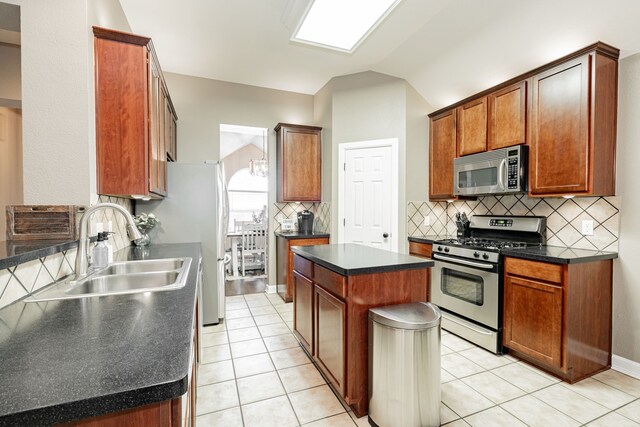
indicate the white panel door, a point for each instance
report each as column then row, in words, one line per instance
column 367, row 196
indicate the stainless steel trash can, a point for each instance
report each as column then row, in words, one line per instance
column 404, row 365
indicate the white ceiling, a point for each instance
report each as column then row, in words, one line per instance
column 446, row 49
column 233, row 138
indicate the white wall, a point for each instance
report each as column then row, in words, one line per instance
column 368, row 106
column 417, row 166
column 10, row 162
column 10, row 75
column 58, row 98
column 626, row 274
column 203, row 105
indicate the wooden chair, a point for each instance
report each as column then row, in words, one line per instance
column 254, row 245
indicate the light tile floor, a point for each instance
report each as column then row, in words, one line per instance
column 254, row 373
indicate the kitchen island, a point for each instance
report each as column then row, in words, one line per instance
column 102, row 360
column 334, row 286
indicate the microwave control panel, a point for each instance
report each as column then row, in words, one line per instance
column 513, row 170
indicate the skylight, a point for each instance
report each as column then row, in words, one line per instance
column 342, row 24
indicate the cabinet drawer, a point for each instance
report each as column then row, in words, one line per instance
column 330, row 281
column 534, row 269
column 420, row 249
column 303, row 266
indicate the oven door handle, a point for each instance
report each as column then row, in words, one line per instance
column 464, row 262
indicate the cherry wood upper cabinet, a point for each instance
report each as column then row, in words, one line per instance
column 442, row 151
column 573, row 127
column 472, row 127
column 135, row 119
column 508, row 116
column 299, row 163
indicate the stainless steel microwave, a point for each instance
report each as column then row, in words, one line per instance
column 493, row 172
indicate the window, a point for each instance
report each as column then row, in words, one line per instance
column 247, row 197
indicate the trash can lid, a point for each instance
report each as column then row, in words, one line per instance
column 416, row 315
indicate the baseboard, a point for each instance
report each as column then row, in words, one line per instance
column 625, row 366
column 271, row 289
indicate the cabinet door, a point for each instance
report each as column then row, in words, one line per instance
column 442, row 151
column 329, row 337
column 560, row 146
column 507, row 116
column 303, row 310
column 533, row 319
column 155, row 184
column 472, row 127
column 299, row 164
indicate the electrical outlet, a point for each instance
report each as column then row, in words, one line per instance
column 427, row 220
column 587, row 227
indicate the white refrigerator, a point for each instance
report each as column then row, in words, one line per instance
column 196, row 209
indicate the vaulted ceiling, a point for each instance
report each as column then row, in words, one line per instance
column 446, row 49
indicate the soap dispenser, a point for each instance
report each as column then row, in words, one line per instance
column 109, row 246
column 100, row 253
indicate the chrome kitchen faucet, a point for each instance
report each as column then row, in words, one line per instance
column 83, row 243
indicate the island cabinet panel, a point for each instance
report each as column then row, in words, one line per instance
column 558, row 317
column 472, row 127
column 330, row 351
column 340, row 321
column 508, row 116
column 442, row 151
column 302, row 310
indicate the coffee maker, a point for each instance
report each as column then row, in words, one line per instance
column 305, row 222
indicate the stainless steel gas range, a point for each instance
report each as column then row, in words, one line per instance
column 467, row 279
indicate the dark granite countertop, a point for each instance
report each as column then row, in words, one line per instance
column 295, row 235
column 14, row 252
column 432, row 238
column 72, row 359
column 350, row 259
column 559, row 255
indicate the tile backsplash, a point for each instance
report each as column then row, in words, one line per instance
column 564, row 217
column 322, row 212
column 22, row 279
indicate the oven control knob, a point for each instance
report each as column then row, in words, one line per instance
column 440, row 248
column 446, row 249
column 485, row 256
column 476, row 255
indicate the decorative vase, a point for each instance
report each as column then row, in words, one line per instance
column 144, row 240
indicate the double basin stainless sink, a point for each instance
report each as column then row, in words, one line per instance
column 126, row 277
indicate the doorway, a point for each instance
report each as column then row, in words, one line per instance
column 368, row 193
column 243, row 151
column 11, row 181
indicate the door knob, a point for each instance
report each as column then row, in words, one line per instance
column 385, row 235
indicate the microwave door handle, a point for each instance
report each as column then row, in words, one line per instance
column 502, row 172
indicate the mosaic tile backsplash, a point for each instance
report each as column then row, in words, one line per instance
column 20, row 280
column 564, row 217
column 322, row 212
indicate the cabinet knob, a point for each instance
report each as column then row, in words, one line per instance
column 385, row 235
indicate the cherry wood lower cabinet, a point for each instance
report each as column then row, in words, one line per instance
column 558, row 317
column 284, row 260
column 339, row 318
column 420, row 249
